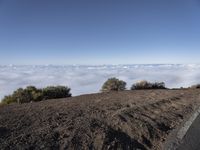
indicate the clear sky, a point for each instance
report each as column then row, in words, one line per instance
column 99, row 31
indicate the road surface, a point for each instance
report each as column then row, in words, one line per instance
column 191, row 140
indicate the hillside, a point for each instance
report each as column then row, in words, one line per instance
column 125, row 120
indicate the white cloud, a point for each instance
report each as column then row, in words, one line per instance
column 89, row 79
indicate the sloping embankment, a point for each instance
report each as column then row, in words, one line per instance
column 125, row 120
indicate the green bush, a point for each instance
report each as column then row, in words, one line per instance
column 22, row 96
column 28, row 94
column 148, row 85
column 113, row 84
column 36, row 94
column 53, row 92
column 31, row 93
column 8, row 99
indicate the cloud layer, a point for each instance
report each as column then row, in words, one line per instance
column 89, row 79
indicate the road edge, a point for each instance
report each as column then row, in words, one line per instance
column 187, row 125
column 181, row 132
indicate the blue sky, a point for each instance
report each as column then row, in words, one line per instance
column 99, row 31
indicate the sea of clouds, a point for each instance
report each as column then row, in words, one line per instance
column 89, row 79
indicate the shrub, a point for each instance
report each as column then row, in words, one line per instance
column 36, row 94
column 28, row 94
column 8, row 99
column 197, row 86
column 22, row 96
column 141, row 85
column 31, row 93
column 158, row 85
column 53, row 92
column 148, row 85
column 113, row 84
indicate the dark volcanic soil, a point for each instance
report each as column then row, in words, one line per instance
column 119, row 120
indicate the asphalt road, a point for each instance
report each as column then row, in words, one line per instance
column 191, row 140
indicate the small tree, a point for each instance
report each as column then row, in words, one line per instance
column 113, row 84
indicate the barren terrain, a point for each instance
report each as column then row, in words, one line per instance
column 140, row 119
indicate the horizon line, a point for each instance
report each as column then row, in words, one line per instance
column 99, row 64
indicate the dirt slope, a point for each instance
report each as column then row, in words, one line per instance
column 118, row 120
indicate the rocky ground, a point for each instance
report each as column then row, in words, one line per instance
column 140, row 119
